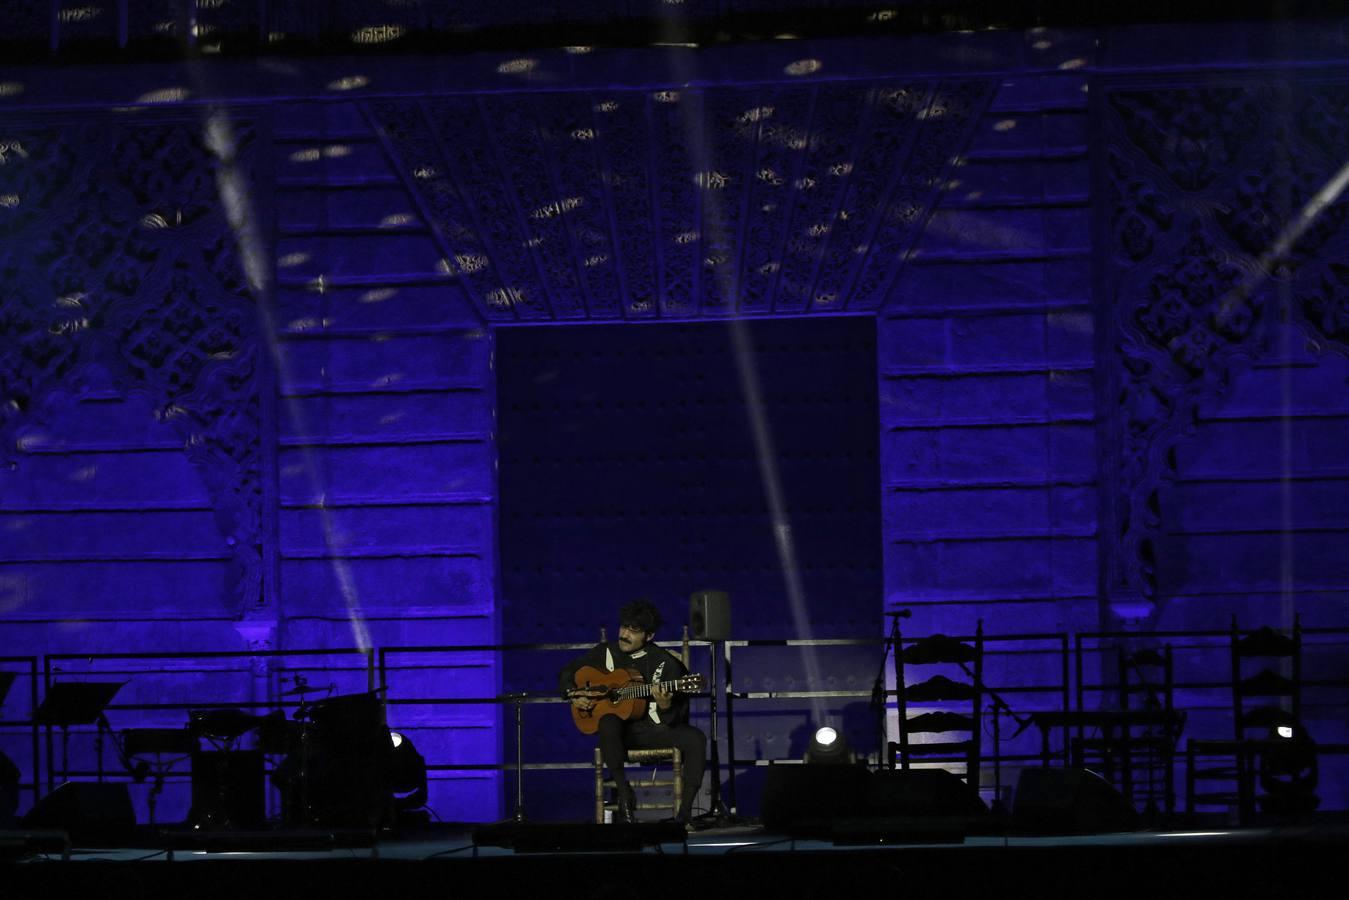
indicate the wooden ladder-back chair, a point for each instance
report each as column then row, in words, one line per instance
column 606, row 800
column 940, row 690
column 1137, row 752
column 1263, row 700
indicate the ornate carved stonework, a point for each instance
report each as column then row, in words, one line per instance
column 681, row 202
column 1212, row 197
column 136, row 270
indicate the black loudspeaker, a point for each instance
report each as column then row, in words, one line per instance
column 710, row 616
column 1070, row 801
column 923, row 792
column 86, row 809
column 809, row 798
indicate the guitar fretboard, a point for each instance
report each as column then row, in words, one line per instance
column 644, row 689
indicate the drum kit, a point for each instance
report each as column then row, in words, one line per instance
column 332, row 770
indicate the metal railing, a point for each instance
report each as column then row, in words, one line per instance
column 9, row 663
column 1065, row 682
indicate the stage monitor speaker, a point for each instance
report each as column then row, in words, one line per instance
column 807, row 799
column 86, row 809
column 1070, row 801
column 710, row 616
column 924, row 793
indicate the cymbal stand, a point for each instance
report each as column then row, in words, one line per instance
column 158, row 770
column 302, row 716
column 65, row 751
column 156, row 788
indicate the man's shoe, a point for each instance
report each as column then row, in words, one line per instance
column 627, row 805
column 681, row 819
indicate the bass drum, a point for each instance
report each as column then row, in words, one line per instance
column 339, row 775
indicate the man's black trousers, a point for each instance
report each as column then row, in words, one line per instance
column 617, row 737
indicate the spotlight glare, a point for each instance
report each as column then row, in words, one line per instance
column 349, row 83
column 828, row 747
column 377, row 34
column 803, row 67
column 165, row 95
column 1285, row 731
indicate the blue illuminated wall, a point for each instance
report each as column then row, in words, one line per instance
column 272, row 423
column 197, row 466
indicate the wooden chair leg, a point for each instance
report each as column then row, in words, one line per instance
column 1189, row 782
column 677, row 781
column 599, row 787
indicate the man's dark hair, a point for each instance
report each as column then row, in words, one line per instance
column 641, row 613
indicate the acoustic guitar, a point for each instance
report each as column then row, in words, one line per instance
column 621, row 693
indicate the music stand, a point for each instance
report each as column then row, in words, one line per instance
column 6, row 683
column 77, row 703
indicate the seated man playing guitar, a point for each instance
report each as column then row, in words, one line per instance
column 662, row 723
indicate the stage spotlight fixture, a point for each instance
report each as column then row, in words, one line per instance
column 828, row 747
column 407, row 773
column 1289, row 771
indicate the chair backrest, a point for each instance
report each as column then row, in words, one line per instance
column 938, row 689
column 1259, row 699
column 1146, row 678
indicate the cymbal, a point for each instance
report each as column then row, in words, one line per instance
column 304, row 689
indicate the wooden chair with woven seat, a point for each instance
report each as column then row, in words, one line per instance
column 1137, row 753
column 938, row 649
column 606, row 801
column 1262, row 702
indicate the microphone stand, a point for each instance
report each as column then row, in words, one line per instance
column 1021, row 726
column 717, row 813
column 878, row 687
column 518, row 699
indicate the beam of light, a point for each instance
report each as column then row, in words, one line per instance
column 1317, row 204
column 751, row 387
column 236, row 200
column 1291, row 234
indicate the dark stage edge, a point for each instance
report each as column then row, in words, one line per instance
column 744, row 861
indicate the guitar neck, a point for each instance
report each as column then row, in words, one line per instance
column 644, row 688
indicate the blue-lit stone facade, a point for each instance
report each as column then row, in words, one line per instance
column 255, row 315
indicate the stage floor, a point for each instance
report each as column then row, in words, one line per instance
column 746, row 861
